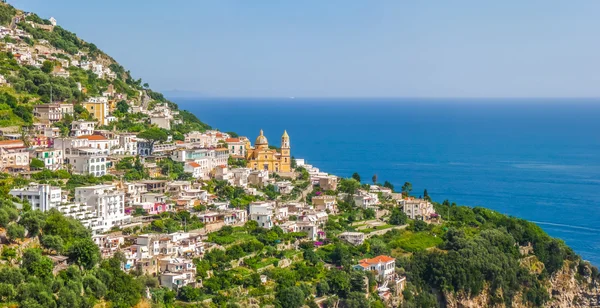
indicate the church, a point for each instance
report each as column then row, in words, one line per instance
column 260, row 157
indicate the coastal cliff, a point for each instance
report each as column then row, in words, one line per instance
column 571, row 286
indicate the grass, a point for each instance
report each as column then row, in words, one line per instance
column 413, row 242
column 369, row 230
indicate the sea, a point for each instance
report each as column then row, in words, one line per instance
column 537, row 159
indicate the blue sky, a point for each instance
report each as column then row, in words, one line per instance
column 335, row 48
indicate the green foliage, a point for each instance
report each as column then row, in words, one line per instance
column 84, row 252
column 36, row 164
column 6, row 14
column 154, row 135
column 349, row 186
column 15, row 231
column 291, row 297
column 356, row 176
column 398, row 217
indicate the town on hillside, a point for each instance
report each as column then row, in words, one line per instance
column 113, row 196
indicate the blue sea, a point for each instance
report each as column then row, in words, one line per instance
column 538, row 159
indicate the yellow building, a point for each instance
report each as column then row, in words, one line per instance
column 260, row 157
column 97, row 109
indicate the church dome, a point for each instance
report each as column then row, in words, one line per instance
column 261, row 139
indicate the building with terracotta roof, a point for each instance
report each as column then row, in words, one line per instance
column 238, row 147
column 384, row 266
column 11, row 144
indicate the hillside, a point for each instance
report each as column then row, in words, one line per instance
column 463, row 257
column 41, row 63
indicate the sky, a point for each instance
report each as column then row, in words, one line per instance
column 345, row 48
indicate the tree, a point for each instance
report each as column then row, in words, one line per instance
column 37, row 164
column 47, row 67
column 356, row 176
column 322, row 288
column 85, row 253
column 37, row 265
column 339, row 282
column 53, row 242
column 123, row 107
column 291, row 297
column 388, row 185
column 15, row 231
column 154, row 135
column 398, row 217
column 374, row 178
column 426, row 195
column 349, row 186
column 406, row 188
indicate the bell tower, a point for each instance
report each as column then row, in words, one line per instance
column 286, row 162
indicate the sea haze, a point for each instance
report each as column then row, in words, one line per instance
column 534, row 159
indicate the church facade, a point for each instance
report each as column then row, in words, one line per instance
column 261, row 157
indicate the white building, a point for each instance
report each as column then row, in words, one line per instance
column 128, row 143
column 82, row 128
column 107, row 202
column 262, row 213
column 354, row 238
column 42, row 197
column 52, row 158
column 87, row 161
column 384, row 266
column 417, row 208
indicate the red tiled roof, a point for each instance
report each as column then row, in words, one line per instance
column 92, row 137
column 7, row 142
column 194, row 164
column 376, row 260
column 232, row 140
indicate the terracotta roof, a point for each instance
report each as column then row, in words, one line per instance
column 376, row 260
column 194, row 165
column 219, row 135
column 92, row 137
column 7, row 142
column 232, row 140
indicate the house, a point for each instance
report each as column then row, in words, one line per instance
column 284, row 187
column 354, row 238
column 380, row 189
column 384, row 266
column 98, row 108
column 325, row 203
column 67, row 109
column 198, row 170
column 365, row 199
column 128, row 143
column 87, row 161
column 238, row 146
column 52, row 158
column 11, row 144
column 416, row 208
column 107, row 202
column 156, row 185
column 262, row 213
column 48, row 113
column 14, row 159
column 222, row 173
column 328, row 182
column 258, row 178
column 42, row 197
column 161, row 122
column 82, row 128
column 100, row 142
column 239, row 177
